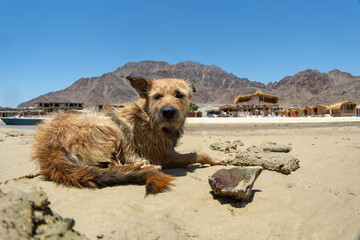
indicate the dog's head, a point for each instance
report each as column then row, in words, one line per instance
column 168, row 100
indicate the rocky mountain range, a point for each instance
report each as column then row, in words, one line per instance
column 213, row 86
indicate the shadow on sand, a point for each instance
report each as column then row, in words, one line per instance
column 181, row 172
column 233, row 202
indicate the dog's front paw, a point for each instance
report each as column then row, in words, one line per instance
column 204, row 158
column 220, row 162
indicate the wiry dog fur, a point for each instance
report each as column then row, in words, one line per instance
column 106, row 149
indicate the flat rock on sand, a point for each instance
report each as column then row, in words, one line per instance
column 276, row 161
column 234, row 183
column 269, row 155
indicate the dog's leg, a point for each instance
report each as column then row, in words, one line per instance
column 176, row 160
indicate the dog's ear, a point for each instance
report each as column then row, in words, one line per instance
column 192, row 86
column 141, row 85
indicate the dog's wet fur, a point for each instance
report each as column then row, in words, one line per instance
column 119, row 147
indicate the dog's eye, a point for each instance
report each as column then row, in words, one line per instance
column 179, row 95
column 157, row 96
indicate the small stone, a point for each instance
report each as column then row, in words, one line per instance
column 238, row 143
column 223, row 147
column 290, row 185
column 234, row 183
column 100, row 236
column 274, row 147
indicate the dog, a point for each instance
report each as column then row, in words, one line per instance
column 97, row 150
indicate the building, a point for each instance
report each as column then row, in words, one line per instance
column 58, row 106
column 257, row 104
column 9, row 112
column 343, row 109
column 320, row 110
column 105, row 106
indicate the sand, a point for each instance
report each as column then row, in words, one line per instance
column 320, row 200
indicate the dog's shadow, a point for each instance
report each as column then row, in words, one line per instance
column 233, row 202
column 181, row 172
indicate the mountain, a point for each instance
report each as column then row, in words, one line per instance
column 213, row 85
column 311, row 87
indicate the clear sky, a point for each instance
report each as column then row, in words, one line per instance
column 48, row 45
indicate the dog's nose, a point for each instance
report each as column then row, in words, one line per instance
column 168, row 112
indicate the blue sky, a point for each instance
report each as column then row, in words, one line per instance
column 48, row 45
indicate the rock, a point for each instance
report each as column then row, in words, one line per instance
column 14, row 133
column 238, row 143
column 234, row 183
column 274, row 161
column 269, row 155
column 223, row 147
column 27, row 216
column 24, row 142
column 274, row 147
column 218, row 146
column 226, row 147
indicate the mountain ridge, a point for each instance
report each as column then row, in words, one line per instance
column 213, row 85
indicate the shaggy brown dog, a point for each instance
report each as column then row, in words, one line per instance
column 98, row 150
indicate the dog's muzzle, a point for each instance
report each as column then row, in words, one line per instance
column 168, row 112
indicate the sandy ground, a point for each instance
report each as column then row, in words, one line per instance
column 321, row 200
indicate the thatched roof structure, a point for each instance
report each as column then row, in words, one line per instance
column 228, row 107
column 262, row 97
column 321, row 109
column 320, row 106
column 213, row 109
column 337, row 106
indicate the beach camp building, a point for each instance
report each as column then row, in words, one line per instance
column 58, row 106
column 343, row 109
column 100, row 107
column 228, row 111
column 294, row 112
column 307, row 111
column 212, row 112
column 256, row 104
column 320, row 110
column 279, row 111
column 9, row 112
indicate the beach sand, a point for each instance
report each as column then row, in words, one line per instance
column 320, row 200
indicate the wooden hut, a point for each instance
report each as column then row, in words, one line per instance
column 343, row 109
column 194, row 114
column 257, row 103
column 320, row 110
column 280, row 111
column 307, row 111
column 296, row 112
column 213, row 112
column 228, row 111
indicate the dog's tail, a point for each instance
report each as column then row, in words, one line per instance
column 58, row 169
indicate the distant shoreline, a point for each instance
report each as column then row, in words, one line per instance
column 270, row 121
column 249, row 123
